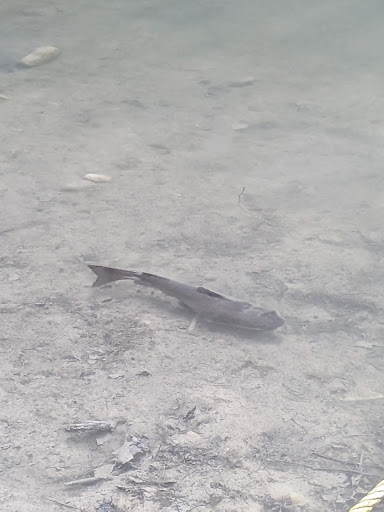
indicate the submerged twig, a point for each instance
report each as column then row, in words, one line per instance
column 85, row 481
column 239, row 202
column 62, row 504
column 263, row 221
column 93, row 426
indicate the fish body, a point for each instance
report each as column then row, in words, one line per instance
column 205, row 303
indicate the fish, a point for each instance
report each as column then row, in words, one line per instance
column 205, row 303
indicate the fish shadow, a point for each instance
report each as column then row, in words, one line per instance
column 253, row 335
column 182, row 311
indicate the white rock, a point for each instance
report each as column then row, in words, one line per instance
column 188, row 439
column 240, row 125
column 297, row 499
column 362, row 395
column 97, row 178
column 40, row 56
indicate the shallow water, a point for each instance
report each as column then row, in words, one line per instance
column 243, row 143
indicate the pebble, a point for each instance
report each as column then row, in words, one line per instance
column 299, row 500
column 241, row 125
column 97, row 178
column 115, row 376
column 188, row 439
column 40, row 56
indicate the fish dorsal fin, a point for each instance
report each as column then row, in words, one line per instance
column 201, row 289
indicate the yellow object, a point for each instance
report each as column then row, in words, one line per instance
column 367, row 503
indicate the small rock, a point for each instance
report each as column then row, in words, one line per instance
column 241, row 125
column 297, row 499
column 97, row 178
column 13, row 277
column 188, row 439
column 40, row 56
column 116, row 376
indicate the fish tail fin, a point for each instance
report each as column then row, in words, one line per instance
column 107, row 275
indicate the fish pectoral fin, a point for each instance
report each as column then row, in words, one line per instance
column 201, row 289
column 193, row 323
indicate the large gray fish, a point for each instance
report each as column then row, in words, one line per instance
column 204, row 303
